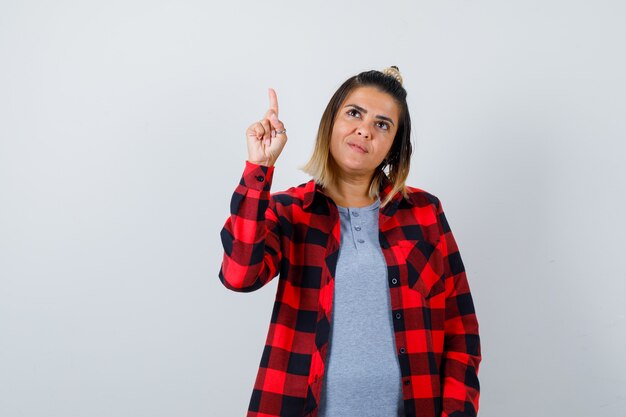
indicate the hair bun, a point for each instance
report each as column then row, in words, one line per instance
column 393, row 72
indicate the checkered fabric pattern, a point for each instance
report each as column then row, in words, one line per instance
column 295, row 234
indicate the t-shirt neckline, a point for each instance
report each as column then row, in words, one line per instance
column 372, row 206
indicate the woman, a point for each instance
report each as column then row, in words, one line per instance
column 373, row 313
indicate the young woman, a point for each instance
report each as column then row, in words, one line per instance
column 373, row 313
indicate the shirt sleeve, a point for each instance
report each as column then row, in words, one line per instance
column 251, row 235
column 462, row 355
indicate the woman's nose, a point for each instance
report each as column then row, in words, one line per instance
column 364, row 131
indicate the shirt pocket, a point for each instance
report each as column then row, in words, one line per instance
column 424, row 264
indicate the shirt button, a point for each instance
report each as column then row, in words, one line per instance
column 361, row 241
column 357, row 228
column 398, row 315
column 394, row 281
column 260, row 178
column 407, row 382
column 355, row 213
column 402, row 350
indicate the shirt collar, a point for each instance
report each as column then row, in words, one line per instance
column 312, row 190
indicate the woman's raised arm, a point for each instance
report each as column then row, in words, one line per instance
column 251, row 234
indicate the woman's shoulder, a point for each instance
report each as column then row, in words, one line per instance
column 297, row 194
column 420, row 197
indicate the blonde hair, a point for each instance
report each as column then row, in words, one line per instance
column 395, row 167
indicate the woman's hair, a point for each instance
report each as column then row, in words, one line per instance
column 396, row 165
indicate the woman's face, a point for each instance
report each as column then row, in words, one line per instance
column 364, row 129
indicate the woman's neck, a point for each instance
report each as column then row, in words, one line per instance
column 350, row 192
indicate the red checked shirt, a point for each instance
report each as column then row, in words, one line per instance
column 295, row 233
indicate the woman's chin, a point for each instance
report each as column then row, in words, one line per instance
column 351, row 166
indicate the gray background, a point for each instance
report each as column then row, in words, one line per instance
column 122, row 138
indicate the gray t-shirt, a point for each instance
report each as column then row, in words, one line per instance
column 362, row 377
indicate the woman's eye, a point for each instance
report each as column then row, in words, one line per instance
column 353, row 112
column 383, row 125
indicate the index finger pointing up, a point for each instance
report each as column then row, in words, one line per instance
column 273, row 100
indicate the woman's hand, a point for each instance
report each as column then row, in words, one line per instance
column 264, row 144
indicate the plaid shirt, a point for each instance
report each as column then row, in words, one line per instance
column 296, row 233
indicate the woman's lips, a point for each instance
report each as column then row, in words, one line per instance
column 357, row 148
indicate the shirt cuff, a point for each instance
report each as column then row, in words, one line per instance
column 257, row 177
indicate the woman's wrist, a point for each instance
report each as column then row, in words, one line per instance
column 262, row 163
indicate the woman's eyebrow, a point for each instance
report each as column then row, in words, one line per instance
column 362, row 110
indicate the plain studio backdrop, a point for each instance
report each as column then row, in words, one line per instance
column 122, row 139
